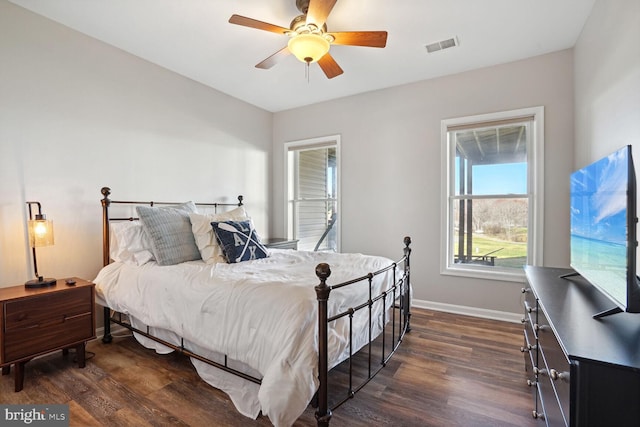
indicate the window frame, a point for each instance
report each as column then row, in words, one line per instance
column 535, row 193
column 309, row 144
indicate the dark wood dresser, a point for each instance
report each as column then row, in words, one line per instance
column 582, row 371
column 37, row 321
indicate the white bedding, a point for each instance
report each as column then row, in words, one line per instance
column 260, row 313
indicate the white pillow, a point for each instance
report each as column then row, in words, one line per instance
column 210, row 250
column 129, row 243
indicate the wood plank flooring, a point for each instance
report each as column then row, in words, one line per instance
column 451, row 370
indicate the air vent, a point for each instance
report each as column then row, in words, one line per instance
column 443, row 44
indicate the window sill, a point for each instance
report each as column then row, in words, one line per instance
column 489, row 273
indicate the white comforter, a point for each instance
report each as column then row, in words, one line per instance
column 261, row 313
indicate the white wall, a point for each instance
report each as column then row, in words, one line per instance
column 391, row 166
column 77, row 115
column 607, row 81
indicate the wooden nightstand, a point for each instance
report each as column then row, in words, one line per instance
column 38, row 321
column 280, row 243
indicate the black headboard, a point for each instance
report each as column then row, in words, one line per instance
column 106, row 219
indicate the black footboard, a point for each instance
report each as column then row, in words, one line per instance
column 401, row 295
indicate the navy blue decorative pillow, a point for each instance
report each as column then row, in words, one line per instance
column 239, row 241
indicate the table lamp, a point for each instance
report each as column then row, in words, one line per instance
column 40, row 234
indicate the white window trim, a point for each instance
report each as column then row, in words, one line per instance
column 329, row 140
column 535, row 159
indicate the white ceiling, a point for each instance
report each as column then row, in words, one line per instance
column 193, row 38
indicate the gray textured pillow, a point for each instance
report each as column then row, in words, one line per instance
column 169, row 230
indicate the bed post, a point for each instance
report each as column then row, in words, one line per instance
column 106, row 191
column 407, row 296
column 323, row 413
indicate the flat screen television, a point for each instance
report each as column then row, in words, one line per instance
column 603, row 229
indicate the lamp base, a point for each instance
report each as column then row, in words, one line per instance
column 40, row 282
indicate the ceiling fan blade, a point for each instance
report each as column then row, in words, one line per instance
column 274, row 59
column 254, row 23
column 361, row 38
column 318, row 11
column 330, row 66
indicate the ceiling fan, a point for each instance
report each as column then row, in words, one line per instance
column 309, row 39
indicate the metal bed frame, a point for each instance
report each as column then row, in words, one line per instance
column 399, row 321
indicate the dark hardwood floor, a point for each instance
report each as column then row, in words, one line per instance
column 451, row 370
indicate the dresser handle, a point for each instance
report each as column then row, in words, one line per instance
column 525, row 290
column 529, row 347
column 555, row 375
column 539, row 371
column 537, row 415
column 537, row 327
column 531, row 383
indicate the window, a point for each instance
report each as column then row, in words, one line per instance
column 312, row 171
column 492, row 196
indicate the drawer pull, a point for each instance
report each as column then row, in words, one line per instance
column 529, row 309
column 539, row 371
column 37, row 325
column 537, row 327
column 525, row 290
column 74, row 316
column 555, row 375
column 529, row 347
column 531, row 383
column 537, row 415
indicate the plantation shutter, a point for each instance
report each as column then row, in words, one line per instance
column 312, row 211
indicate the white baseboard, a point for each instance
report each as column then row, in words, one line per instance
column 468, row 311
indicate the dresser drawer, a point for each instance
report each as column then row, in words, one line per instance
column 554, row 412
column 538, row 411
column 43, row 323
column 530, row 304
column 558, row 367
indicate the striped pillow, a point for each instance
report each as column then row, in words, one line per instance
column 169, row 230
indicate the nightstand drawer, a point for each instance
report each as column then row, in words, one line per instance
column 47, row 336
column 27, row 313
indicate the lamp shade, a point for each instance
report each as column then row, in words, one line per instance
column 40, row 232
column 309, row 47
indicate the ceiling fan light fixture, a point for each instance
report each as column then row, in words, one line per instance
column 309, row 47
